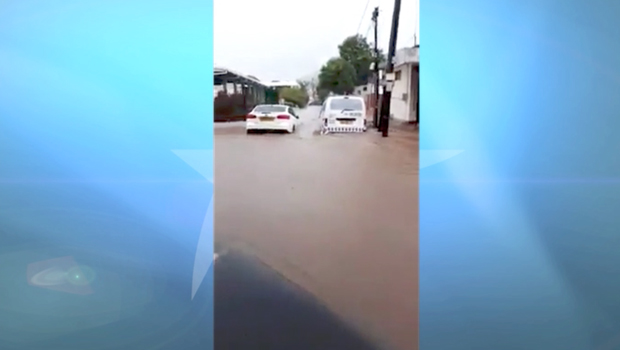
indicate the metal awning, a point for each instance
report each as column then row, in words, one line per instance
column 221, row 74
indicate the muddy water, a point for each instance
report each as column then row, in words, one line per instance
column 337, row 214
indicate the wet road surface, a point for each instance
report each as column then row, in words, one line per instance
column 336, row 214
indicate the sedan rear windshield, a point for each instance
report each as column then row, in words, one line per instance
column 346, row 103
column 269, row 109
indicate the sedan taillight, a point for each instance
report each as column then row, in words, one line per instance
column 284, row 116
column 250, row 116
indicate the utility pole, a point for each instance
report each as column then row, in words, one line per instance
column 387, row 93
column 375, row 16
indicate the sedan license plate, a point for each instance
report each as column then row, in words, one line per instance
column 266, row 119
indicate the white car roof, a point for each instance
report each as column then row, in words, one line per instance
column 345, row 97
column 268, row 105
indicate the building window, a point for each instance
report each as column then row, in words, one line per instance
column 397, row 75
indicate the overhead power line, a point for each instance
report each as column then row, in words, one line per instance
column 363, row 16
column 370, row 25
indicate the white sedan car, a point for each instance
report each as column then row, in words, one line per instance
column 272, row 118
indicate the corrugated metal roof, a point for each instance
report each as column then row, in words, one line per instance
column 222, row 71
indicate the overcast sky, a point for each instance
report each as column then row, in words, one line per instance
column 290, row 39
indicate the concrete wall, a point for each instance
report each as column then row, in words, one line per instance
column 403, row 102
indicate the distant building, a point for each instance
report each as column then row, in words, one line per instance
column 282, row 84
column 230, row 82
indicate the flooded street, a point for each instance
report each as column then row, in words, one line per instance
column 336, row 214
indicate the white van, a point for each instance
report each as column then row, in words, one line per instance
column 344, row 114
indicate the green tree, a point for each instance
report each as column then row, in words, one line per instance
column 322, row 94
column 357, row 51
column 295, row 96
column 337, row 76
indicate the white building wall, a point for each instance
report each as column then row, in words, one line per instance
column 403, row 101
column 363, row 90
column 399, row 107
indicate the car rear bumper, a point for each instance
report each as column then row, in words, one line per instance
column 358, row 125
column 268, row 126
column 345, row 129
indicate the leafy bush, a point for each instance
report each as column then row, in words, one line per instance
column 296, row 96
